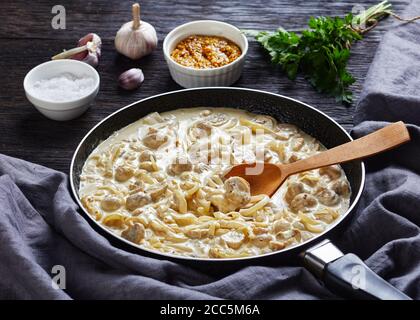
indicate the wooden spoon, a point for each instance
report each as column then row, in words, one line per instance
column 266, row 178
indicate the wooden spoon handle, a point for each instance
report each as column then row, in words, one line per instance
column 381, row 140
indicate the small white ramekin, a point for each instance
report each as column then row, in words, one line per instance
column 189, row 77
column 61, row 110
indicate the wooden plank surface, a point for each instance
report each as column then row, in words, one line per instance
column 27, row 39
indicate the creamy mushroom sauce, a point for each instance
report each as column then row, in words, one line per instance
column 152, row 184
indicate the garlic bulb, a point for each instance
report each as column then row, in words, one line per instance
column 136, row 38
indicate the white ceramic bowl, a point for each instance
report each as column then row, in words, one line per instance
column 190, row 77
column 61, row 110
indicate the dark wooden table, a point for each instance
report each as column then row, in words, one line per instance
column 27, row 39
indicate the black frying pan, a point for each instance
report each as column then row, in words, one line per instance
column 346, row 274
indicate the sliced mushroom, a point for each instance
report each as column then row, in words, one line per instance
column 123, row 173
column 262, row 240
column 266, row 121
column 111, row 203
column 201, row 129
column 180, row 165
column 154, row 139
column 280, row 225
column 136, row 186
column 341, row 187
column 233, row 239
column 237, row 191
column 327, row 197
column 303, row 202
column 293, row 189
column 333, row 172
column 145, row 155
column 134, row 233
column 137, row 200
column 217, row 119
column 277, row 245
column 156, row 193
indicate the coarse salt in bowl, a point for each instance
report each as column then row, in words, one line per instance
column 62, row 89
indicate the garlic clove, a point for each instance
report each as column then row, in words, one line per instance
column 136, row 39
column 88, row 50
column 91, row 59
column 96, row 43
column 131, row 79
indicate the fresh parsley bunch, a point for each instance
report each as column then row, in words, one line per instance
column 322, row 51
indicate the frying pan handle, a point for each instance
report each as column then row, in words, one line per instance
column 348, row 275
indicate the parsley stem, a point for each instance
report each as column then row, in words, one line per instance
column 368, row 19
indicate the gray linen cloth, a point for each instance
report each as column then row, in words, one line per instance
column 40, row 226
